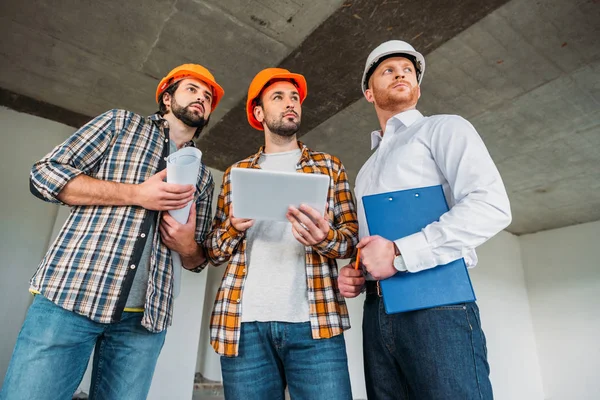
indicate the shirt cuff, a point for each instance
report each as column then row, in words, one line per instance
column 231, row 232
column 416, row 251
column 325, row 245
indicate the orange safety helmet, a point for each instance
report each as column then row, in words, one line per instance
column 191, row 71
column 262, row 80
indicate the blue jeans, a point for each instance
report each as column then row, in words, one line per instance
column 54, row 347
column 432, row 354
column 273, row 354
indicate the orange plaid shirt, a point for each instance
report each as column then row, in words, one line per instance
column 327, row 308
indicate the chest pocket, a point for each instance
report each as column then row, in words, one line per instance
column 403, row 166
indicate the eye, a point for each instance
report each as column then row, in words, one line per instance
column 295, row 98
column 407, row 69
column 277, row 97
column 192, row 89
column 387, row 71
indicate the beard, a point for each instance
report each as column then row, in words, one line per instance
column 282, row 126
column 188, row 116
column 391, row 99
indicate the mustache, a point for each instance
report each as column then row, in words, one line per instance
column 291, row 112
column 402, row 81
column 197, row 103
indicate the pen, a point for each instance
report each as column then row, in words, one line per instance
column 357, row 259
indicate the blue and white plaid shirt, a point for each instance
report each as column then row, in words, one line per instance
column 91, row 265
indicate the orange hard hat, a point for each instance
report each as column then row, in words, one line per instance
column 262, row 80
column 191, row 71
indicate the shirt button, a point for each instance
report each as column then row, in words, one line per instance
column 143, row 235
column 244, row 270
column 166, row 140
column 165, row 158
column 238, row 300
column 132, row 266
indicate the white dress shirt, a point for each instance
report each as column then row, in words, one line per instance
column 417, row 151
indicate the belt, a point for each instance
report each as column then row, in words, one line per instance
column 372, row 287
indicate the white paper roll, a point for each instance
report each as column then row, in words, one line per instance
column 182, row 168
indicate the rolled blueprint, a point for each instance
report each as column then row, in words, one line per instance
column 182, row 168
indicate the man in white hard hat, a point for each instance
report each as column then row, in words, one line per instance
column 435, row 353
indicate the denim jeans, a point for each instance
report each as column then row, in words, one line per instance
column 54, row 347
column 275, row 354
column 434, row 354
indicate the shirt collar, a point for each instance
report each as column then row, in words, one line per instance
column 303, row 157
column 159, row 121
column 405, row 118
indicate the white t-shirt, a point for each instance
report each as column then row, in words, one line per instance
column 275, row 288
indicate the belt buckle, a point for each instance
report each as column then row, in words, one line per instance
column 378, row 289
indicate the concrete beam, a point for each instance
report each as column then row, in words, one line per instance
column 332, row 59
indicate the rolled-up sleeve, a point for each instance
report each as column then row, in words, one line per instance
column 204, row 212
column 79, row 154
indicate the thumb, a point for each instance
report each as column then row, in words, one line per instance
column 162, row 175
column 365, row 241
column 192, row 216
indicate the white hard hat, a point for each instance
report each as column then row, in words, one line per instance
column 387, row 49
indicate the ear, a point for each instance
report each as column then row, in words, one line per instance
column 167, row 100
column 259, row 113
column 418, row 92
column 369, row 96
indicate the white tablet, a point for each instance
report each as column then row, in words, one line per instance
column 266, row 195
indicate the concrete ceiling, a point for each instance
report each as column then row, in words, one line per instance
column 526, row 73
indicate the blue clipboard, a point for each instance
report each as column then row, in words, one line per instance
column 398, row 214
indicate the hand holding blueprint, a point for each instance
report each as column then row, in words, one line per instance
column 182, row 168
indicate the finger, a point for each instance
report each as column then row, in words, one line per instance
column 349, row 291
column 349, row 271
column 177, row 189
column 238, row 221
column 242, row 226
column 168, row 196
column 162, row 175
column 301, row 230
column 365, row 241
column 353, row 290
column 173, row 205
column 164, row 234
column 299, row 237
column 355, row 281
column 192, row 216
column 319, row 220
column 169, row 221
column 311, row 212
column 305, row 220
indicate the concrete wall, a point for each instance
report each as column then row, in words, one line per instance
column 563, row 281
column 25, row 221
column 501, row 292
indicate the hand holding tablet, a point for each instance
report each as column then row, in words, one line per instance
column 267, row 195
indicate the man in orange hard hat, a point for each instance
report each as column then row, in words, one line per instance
column 106, row 284
column 279, row 317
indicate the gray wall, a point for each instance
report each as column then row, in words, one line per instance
column 25, row 222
